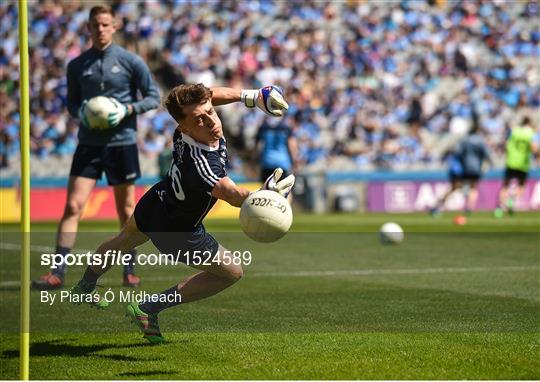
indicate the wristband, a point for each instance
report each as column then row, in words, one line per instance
column 249, row 97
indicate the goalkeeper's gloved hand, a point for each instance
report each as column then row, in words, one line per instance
column 82, row 114
column 269, row 99
column 120, row 113
column 283, row 186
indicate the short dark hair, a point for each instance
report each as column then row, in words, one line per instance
column 100, row 9
column 184, row 95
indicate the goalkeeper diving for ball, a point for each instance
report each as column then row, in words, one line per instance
column 171, row 212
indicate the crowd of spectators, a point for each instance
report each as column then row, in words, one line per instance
column 370, row 84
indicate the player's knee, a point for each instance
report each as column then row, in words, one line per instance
column 129, row 206
column 235, row 273
column 126, row 207
column 73, row 209
column 122, row 241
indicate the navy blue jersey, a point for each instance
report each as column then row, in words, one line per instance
column 472, row 153
column 195, row 170
column 114, row 72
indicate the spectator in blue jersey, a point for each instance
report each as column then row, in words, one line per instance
column 171, row 213
column 105, row 69
column 276, row 146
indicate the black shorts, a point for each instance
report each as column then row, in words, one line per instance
column 168, row 232
column 464, row 177
column 471, row 177
column 266, row 172
column 454, row 177
column 510, row 173
column 120, row 163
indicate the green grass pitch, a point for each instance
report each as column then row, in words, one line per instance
column 326, row 302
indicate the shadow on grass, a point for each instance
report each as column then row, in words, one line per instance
column 63, row 348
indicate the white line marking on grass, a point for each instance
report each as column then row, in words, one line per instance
column 17, row 247
column 413, row 271
column 10, row 283
column 39, row 248
column 370, row 272
column 358, row 272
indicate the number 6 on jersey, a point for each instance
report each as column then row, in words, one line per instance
column 174, row 172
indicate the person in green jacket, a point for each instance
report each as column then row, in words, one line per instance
column 519, row 147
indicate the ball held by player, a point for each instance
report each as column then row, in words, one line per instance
column 102, row 112
column 266, row 216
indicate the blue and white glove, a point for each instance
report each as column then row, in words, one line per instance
column 82, row 114
column 269, row 99
column 119, row 114
column 283, row 186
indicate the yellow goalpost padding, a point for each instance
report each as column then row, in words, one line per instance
column 24, row 364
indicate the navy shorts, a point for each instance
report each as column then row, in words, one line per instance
column 454, row 177
column 120, row 163
column 167, row 229
column 475, row 177
column 464, row 177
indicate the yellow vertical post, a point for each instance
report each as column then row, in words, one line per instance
column 24, row 88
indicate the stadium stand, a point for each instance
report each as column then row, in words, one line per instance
column 371, row 85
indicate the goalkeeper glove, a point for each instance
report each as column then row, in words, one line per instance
column 269, row 99
column 117, row 116
column 283, row 186
column 82, row 114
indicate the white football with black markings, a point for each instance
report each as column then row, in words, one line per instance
column 265, row 216
column 99, row 111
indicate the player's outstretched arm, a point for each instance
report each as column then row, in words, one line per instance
column 227, row 190
column 224, row 96
column 269, row 99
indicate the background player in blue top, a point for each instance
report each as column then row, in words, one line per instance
column 107, row 70
column 466, row 167
column 170, row 214
column 276, row 145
